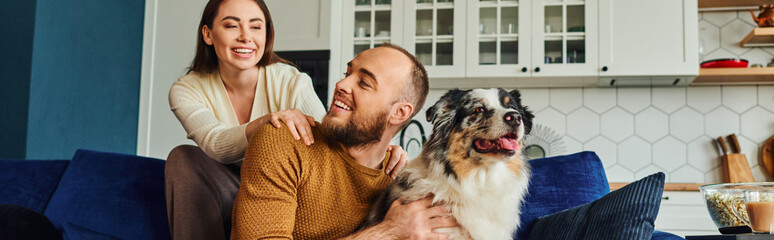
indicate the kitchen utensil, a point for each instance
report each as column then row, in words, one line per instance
column 735, row 167
column 766, row 16
column 723, row 151
column 738, row 162
column 734, row 143
column 725, row 63
column 767, row 156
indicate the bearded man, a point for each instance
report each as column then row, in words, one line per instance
column 324, row 191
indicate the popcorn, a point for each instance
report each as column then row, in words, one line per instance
column 721, row 206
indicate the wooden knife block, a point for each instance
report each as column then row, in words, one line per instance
column 736, row 169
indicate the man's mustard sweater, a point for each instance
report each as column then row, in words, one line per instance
column 293, row 191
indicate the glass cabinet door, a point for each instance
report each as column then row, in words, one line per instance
column 435, row 35
column 564, row 38
column 368, row 24
column 498, row 36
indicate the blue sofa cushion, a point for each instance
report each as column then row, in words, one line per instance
column 560, row 183
column 29, row 183
column 627, row 213
column 114, row 194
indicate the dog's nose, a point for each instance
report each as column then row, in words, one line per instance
column 512, row 118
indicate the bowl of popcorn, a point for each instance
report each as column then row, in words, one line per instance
column 723, row 198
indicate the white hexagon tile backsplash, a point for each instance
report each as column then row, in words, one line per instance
column 663, row 129
column 656, row 129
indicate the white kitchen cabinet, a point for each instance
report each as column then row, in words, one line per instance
column 564, row 38
column 538, row 38
column 648, row 38
column 435, row 33
column 498, row 38
column 368, row 24
column 301, row 28
column 533, row 42
column 684, row 213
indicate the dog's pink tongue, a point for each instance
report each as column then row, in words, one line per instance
column 509, row 144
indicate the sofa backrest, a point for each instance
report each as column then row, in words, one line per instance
column 559, row 183
column 29, row 183
column 111, row 194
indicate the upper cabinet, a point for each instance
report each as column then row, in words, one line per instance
column 435, row 33
column 369, row 23
column 498, row 38
column 564, row 37
column 540, row 39
column 306, row 28
column 645, row 38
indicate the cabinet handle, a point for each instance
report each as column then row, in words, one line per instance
column 604, row 69
column 537, row 69
column 665, row 198
column 524, row 69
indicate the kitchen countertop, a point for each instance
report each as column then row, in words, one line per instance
column 684, row 187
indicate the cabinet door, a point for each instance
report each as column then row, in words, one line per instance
column 306, row 28
column 648, row 38
column 435, row 33
column 498, row 42
column 369, row 23
column 564, row 39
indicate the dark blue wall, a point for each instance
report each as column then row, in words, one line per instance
column 16, row 30
column 85, row 77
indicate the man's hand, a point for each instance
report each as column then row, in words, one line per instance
column 398, row 160
column 414, row 220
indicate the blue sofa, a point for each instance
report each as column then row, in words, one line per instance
column 122, row 196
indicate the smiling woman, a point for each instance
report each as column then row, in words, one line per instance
column 235, row 85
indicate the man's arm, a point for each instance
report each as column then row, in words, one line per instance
column 414, row 220
column 265, row 205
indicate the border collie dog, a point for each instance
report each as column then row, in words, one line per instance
column 471, row 164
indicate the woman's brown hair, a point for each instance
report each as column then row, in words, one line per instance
column 206, row 61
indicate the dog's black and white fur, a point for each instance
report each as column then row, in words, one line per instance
column 471, row 164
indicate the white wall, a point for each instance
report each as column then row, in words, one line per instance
column 168, row 48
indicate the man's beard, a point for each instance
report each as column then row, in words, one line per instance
column 358, row 132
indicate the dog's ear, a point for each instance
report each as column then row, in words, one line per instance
column 444, row 105
column 516, row 95
column 442, row 115
column 526, row 114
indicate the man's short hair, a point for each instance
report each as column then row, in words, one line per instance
column 416, row 91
